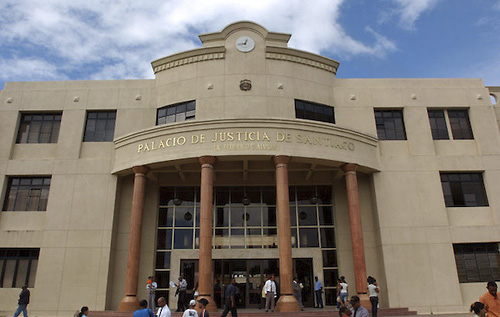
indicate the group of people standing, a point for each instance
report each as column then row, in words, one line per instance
column 489, row 302
column 357, row 310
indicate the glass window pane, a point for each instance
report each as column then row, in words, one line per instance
column 307, row 216
column 327, row 237
column 163, row 260
column 183, row 238
column 309, row 238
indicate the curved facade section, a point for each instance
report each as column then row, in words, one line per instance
column 245, row 137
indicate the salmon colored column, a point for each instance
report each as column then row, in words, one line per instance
column 358, row 249
column 130, row 302
column 287, row 302
column 205, row 284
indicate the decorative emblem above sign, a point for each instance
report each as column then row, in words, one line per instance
column 245, row 85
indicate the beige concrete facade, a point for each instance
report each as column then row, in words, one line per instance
column 408, row 232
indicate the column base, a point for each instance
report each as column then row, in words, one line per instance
column 129, row 303
column 287, row 303
column 364, row 300
column 211, row 307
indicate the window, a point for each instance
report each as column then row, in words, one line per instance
column 390, row 124
column 314, row 111
column 18, row 267
column 477, row 262
column 27, row 194
column 176, row 113
column 39, row 128
column 100, row 126
column 458, row 121
column 463, row 189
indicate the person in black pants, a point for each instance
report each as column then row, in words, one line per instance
column 181, row 292
column 230, row 300
column 373, row 291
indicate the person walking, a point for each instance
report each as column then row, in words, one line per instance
column 230, row 300
column 24, row 300
column 164, row 311
column 191, row 312
column 270, row 289
column 297, row 291
column 318, row 290
column 343, row 291
column 491, row 299
column 373, row 291
column 151, row 290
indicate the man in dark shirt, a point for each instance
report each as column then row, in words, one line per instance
column 230, row 302
column 24, row 300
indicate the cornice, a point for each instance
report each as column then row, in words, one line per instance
column 301, row 57
column 188, row 57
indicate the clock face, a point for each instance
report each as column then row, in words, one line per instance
column 245, row 44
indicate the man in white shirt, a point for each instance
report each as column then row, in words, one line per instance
column 191, row 312
column 270, row 290
column 163, row 311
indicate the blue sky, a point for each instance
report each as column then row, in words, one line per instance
column 92, row 39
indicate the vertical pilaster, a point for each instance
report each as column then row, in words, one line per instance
column 287, row 302
column 130, row 301
column 205, row 284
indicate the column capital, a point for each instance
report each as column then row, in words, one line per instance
column 141, row 169
column 281, row 159
column 349, row 167
column 207, row 159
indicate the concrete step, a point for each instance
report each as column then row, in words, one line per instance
column 307, row 312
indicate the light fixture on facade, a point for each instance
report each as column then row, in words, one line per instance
column 177, row 201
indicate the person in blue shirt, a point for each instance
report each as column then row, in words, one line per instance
column 318, row 290
column 144, row 311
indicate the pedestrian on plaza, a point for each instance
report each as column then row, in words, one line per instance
column 479, row 309
column 83, row 312
column 356, row 309
column 270, row 290
column 318, row 291
column 297, row 291
column 181, row 293
column 164, row 311
column 343, row 291
column 491, row 299
column 191, row 312
column 230, row 300
column 203, row 305
column 151, row 290
column 143, row 311
column 24, row 300
column 373, row 291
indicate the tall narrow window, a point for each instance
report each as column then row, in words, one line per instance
column 39, row 128
column 183, row 111
column 100, row 126
column 438, row 125
column 460, row 124
column 390, row 124
column 27, row 194
column 314, row 111
column 463, row 190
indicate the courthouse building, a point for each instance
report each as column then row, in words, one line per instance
column 243, row 158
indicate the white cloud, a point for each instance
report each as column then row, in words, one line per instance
column 409, row 11
column 29, row 69
column 108, row 39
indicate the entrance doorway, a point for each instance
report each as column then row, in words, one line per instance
column 250, row 275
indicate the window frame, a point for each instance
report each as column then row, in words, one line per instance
column 457, row 124
column 471, row 258
column 317, row 112
column 107, row 133
column 16, row 182
column 31, row 136
column 16, row 255
column 383, row 126
column 455, row 191
column 178, row 112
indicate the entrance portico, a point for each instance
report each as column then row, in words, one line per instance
column 251, row 172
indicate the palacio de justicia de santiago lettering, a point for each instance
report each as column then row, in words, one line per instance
column 246, row 140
